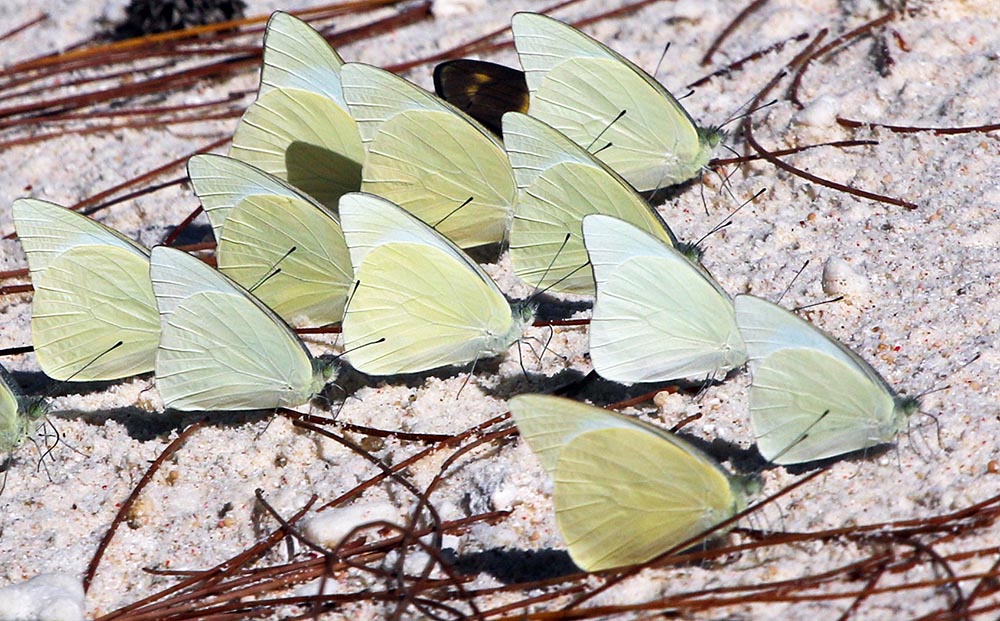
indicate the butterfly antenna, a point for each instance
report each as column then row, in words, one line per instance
column 728, row 220
column 802, row 436
column 548, row 268
column 788, row 287
column 468, row 376
column 347, row 305
column 820, row 303
column 742, row 115
column 950, row 373
column 274, row 271
column 347, row 351
column 52, row 390
column 451, row 213
column 606, row 128
column 659, row 63
column 607, row 145
column 538, row 287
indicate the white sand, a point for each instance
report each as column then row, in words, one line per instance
column 919, row 286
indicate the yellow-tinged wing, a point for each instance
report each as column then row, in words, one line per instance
column 430, row 158
column 220, row 348
column 92, row 290
column 624, row 491
column 299, row 127
column 591, row 93
column 430, row 309
column 558, row 184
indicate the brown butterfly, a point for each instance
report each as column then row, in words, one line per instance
column 482, row 89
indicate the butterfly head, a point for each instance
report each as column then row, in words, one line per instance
column 905, row 407
column 325, row 370
column 745, row 488
column 36, row 408
column 523, row 315
column 711, row 136
column 693, row 252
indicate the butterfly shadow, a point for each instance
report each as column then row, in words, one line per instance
column 551, row 308
column 521, row 383
column 37, row 383
column 858, row 457
column 512, row 566
column 194, row 233
column 350, row 380
column 143, row 425
column 487, row 253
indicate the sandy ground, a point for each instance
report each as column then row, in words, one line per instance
column 919, row 304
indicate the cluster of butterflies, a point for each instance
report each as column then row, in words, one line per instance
column 348, row 197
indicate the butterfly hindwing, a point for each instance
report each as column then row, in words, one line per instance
column 430, row 158
column 429, row 301
column 559, row 183
column 657, row 316
column 92, row 291
column 220, row 348
column 592, row 94
column 481, row 89
column 811, row 397
column 299, row 128
column 624, row 491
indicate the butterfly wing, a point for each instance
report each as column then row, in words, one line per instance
column 811, row 396
column 558, row 184
column 430, row 158
column 806, row 404
column 88, row 300
column 297, row 247
column 13, row 423
column 430, row 309
column 46, row 230
column 589, row 92
column 221, row 349
column 481, row 89
column 92, row 290
column 624, row 491
column 222, row 182
column 767, row 327
column 657, row 315
column 299, row 128
column 371, row 221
